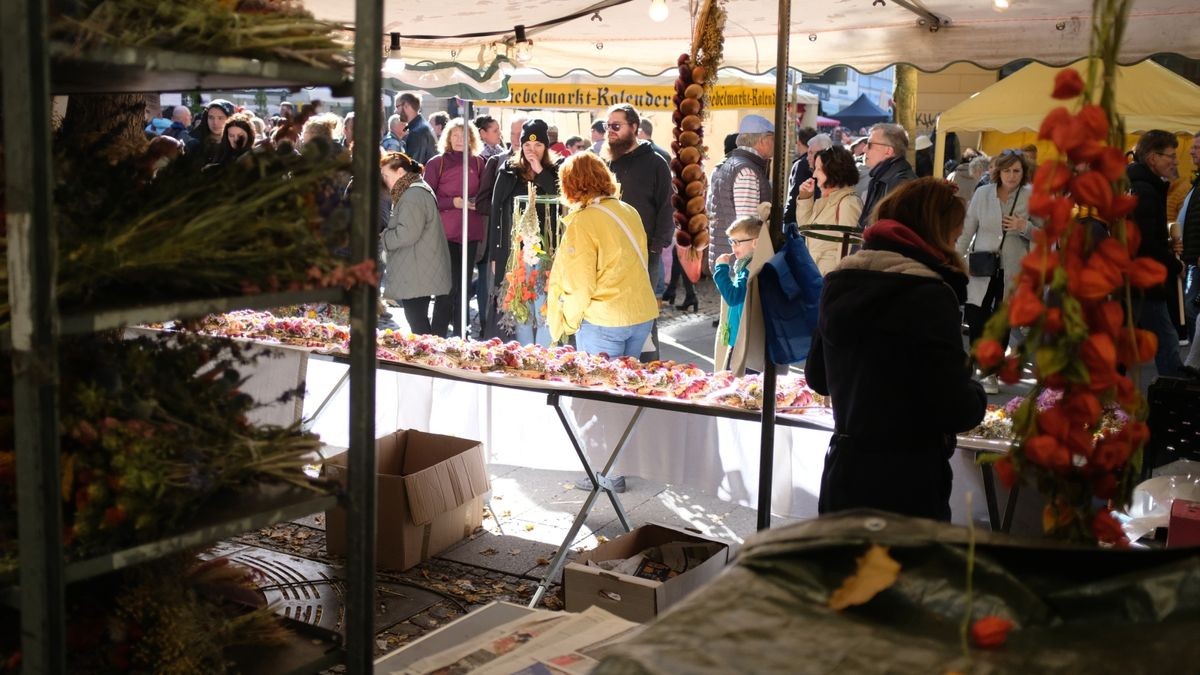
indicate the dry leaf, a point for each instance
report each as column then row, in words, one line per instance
column 506, row 514
column 568, row 486
column 515, row 551
column 488, row 551
column 876, row 572
column 529, row 527
column 601, row 538
column 542, row 561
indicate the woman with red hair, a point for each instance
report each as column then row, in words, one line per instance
column 599, row 290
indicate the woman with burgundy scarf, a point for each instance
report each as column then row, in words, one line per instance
column 888, row 351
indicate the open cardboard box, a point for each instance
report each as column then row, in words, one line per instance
column 632, row 597
column 430, row 491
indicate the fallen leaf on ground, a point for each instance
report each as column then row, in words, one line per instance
column 601, row 538
column 876, row 572
column 506, row 514
column 528, row 527
column 515, row 551
column 542, row 561
column 488, row 551
column 568, row 486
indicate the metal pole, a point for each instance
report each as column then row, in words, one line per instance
column 364, row 245
column 465, row 272
column 32, row 247
column 779, row 173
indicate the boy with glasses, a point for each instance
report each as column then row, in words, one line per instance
column 732, row 280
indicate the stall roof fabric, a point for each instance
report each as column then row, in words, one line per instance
column 857, row 33
column 1148, row 97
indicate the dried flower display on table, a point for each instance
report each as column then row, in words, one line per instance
column 667, row 379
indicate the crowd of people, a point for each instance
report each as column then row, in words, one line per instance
column 836, row 179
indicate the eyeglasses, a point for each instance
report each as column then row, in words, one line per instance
column 615, row 126
column 1012, row 152
column 1171, row 156
column 870, row 143
column 735, row 242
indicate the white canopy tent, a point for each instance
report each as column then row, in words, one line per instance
column 608, row 35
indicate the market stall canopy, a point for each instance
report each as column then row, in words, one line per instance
column 1148, row 96
column 584, row 91
column 605, row 36
column 823, row 122
column 862, row 113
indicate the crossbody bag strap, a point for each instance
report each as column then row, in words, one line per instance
column 625, row 229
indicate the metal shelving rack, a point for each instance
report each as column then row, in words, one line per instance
column 33, row 70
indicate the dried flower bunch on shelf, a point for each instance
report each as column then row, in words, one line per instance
column 174, row 616
column 264, row 29
column 153, row 430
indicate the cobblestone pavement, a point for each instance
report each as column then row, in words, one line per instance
column 463, row 587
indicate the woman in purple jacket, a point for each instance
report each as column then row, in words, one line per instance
column 444, row 173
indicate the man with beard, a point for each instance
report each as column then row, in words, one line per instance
column 645, row 180
column 420, row 143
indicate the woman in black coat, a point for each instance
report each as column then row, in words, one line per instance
column 888, row 350
column 531, row 162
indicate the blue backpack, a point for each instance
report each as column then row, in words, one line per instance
column 789, row 287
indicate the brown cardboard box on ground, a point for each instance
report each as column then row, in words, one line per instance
column 430, row 492
column 632, row 597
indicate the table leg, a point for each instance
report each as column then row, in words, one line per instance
column 600, row 482
column 1010, row 508
column 307, row 424
column 989, row 490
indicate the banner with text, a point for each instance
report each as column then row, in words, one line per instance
column 642, row 97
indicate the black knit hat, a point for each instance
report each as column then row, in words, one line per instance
column 535, row 130
column 221, row 103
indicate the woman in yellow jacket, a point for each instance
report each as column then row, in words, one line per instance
column 599, row 290
column 835, row 174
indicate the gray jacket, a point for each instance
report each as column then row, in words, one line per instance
column 721, row 213
column 418, row 258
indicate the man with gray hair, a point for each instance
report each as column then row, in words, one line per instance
column 887, row 146
column 393, row 140
column 740, row 183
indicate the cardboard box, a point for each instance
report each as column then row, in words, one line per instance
column 632, row 597
column 1183, row 529
column 430, row 492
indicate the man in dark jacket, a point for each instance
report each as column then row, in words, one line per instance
column 886, row 150
column 1189, row 252
column 801, row 171
column 181, row 121
column 645, row 180
column 1155, row 166
column 419, row 143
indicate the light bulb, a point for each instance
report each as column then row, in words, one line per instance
column 393, row 65
column 658, row 10
column 393, row 62
column 1000, row 4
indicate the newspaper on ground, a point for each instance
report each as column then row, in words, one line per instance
column 546, row 643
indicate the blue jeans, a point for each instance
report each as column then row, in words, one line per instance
column 536, row 331
column 1152, row 315
column 619, row 341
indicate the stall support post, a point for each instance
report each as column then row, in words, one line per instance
column 364, row 244
column 779, row 173
column 32, row 248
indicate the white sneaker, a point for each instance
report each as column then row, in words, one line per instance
column 991, row 385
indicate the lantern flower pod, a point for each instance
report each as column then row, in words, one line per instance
column 988, row 353
column 1094, row 120
column 1093, row 189
column 1067, row 84
column 1025, row 307
column 1053, row 120
column 1146, row 273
